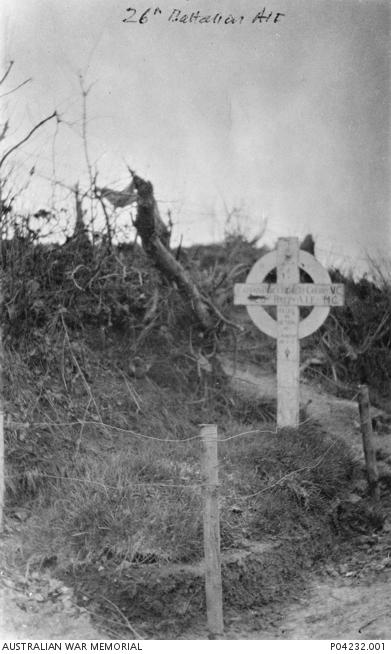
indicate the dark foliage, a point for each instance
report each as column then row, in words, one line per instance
column 89, row 286
column 361, row 332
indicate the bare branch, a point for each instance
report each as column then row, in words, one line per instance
column 85, row 93
column 7, row 72
column 16, row 87
column 4, row 130
column 26, row 138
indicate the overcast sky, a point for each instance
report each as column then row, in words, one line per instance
column 288, row 120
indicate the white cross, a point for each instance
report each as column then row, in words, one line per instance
column 287, row 295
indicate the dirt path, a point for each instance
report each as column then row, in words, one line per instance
column 339, row 610
column 41, row 608
column 35, row 604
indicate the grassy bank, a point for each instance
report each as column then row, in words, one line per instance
column 109, row 471
column 106, row 387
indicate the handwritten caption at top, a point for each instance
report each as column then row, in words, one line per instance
column 143, row 16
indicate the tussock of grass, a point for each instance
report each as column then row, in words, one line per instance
column 302, row 473
column 134, row 507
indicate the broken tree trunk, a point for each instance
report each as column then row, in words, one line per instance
column 155, row 238
column 148, row 221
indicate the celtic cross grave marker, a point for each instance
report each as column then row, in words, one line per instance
column 288, row 295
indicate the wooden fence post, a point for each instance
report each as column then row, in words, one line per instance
column 368, row 443
column 213, row 585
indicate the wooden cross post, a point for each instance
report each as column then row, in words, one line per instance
column 288, row 346
column 288, row 295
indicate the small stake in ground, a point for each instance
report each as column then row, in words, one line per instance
column 213, row 587
column 288, row 295
column 368, row 442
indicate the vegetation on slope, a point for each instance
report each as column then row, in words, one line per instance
column 106, row 387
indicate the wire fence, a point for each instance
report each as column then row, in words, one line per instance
column 316, row 415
